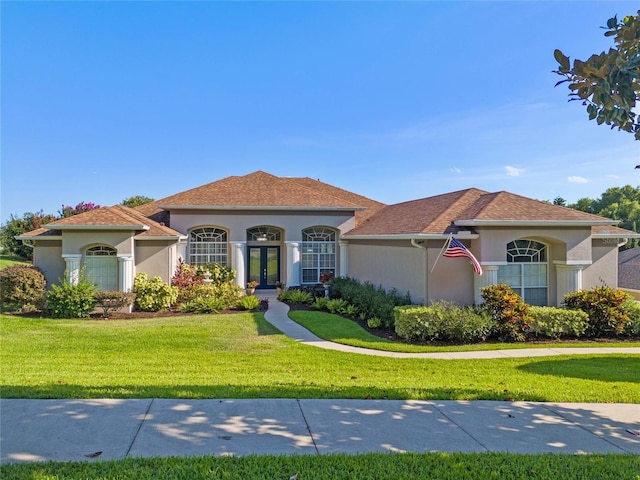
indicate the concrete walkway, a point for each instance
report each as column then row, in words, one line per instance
column 277, row 315
column 104, row 429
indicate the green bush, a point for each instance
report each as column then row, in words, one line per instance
column 248, row 302
column 632, row 327
column 152, row 294
column 21, row 288
column 558, row 322
column 605, row 307
column 443, row 321
column 219, row 273
column 337, row 305
column 320, row 303
column 508, row 310
column 374, row 322
column 211, row 297
column 299, row 297
column 71, row 301
column 369, row 300
column 111, row 300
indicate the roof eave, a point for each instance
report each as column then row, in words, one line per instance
column 410, row 236
column 254, row 207
column 161, row 237
column 97, row 227
column 38, row 237
column 533, row 223
column 615, row 235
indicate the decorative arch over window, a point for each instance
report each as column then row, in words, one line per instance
column 318, row 253
column 264, row 233
column 101, row 266
column 527, row 270
column 208, row 245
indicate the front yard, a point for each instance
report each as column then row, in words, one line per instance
column 243, row 356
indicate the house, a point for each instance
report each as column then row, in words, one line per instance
column 292, row 230
column 629, row 271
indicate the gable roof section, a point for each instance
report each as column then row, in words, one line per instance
column 117, row 217
column 629, row 268
column 261, row 190
column 452, row 212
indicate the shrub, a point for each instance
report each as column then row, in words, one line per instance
column 444, row 321
column 248, row 302
column 320, row 303
column 605, row 307
column 211, row 298
column 337, row 305
column 71, row 301
column 21, row 287
column 374, row 322
column 296, row 297
column 632, row 327
column 558, row 322
column 185, row 276
column 369, row 300
column 152, row 294
column 219, row 273
column 111, row 301
column 508, row 310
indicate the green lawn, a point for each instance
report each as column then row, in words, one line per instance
column 342, row 330
column 243, row 356
column 8, row 260
column 443, row 466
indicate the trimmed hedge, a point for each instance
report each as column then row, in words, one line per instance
column 558, row 322
column 443, row 321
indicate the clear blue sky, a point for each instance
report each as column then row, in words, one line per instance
column 392, row 100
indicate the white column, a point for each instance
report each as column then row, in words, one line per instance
column 293, row 263
column 238, row 256
column 489, row 277
column 125, row 273
column 72, row 267
column 344, row 258
column 568, row 278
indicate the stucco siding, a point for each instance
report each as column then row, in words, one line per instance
column 452, row 278
column 47, row 256
column 74, row 243
column 237, row 223
column 604, row 267
column 390, row 264
column 155, row 258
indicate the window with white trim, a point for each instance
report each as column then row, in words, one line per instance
column 318, row 253
column 208, row 245
column 526, row 271
column 101, row 266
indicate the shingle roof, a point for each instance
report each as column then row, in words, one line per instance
column 447, row 213
column 261, row 189
column 629, row 268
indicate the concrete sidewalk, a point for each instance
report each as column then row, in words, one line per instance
column 76, row 430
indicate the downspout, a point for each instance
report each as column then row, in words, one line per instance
column 426, row 279
column 623, row 243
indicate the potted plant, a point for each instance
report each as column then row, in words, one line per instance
column 251, row 287
column 325, row 278
column 280, row 287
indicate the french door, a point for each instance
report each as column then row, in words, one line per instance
column 264, row 266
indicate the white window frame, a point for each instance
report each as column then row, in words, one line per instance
column 527, row 255
column 101, row 266
column 318, row 253
column 208, row 245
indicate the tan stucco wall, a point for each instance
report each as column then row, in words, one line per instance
column 390, row 264
column 155, row 258
column 47, row 256
column 74, row 243
column 237, row 223
column 604, row 267
column 452, row 278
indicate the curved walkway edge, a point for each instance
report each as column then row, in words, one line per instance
column 278, row 317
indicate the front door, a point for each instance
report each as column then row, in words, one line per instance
column 264, row 266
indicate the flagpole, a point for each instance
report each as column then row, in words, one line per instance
column 446, row 245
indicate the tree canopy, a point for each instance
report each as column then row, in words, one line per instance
column 136, row 201
column 608, row 84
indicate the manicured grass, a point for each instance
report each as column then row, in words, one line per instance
column 243, row 356
column 8, row 260
column 342, row 330
column 340, row 466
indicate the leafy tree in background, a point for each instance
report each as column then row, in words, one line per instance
column 618, row 203
column 136, row 201
column 560, row 201
column 81, row 207
column 608, row 84
column 17, row 226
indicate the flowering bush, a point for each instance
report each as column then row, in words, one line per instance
column 326, row 277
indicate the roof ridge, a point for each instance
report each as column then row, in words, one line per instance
column 342, row 199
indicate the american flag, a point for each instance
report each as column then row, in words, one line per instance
column 456, row 249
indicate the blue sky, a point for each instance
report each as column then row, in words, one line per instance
column 392, row 100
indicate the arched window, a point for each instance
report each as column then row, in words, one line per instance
column 264, row 234
column 526, row 271
column 101, row 266
column 208, row 245
column 318, row 253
